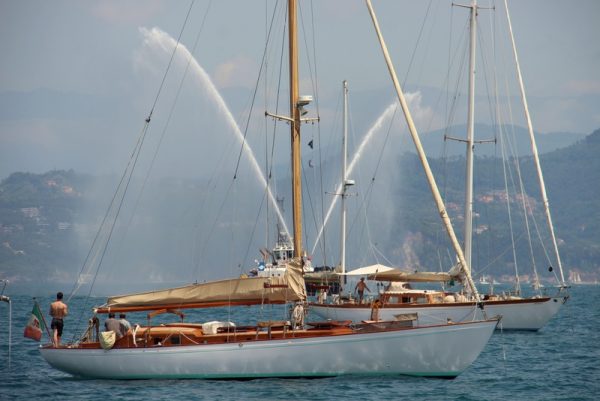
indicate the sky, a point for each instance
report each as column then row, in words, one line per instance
column 77, row 80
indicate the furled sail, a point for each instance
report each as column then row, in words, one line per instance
column 238, row 291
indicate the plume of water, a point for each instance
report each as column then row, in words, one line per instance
column 420, row 113
column 376, row 127
column 160, row 40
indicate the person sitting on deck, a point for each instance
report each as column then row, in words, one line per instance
column 113, row 324
column 124, row 324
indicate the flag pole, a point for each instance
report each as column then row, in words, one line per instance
column 43, row 319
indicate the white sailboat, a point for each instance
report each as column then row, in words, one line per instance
column 6, row 298
column 518, row 313
column 574, row 277
column 286, row 348
column 436, row 306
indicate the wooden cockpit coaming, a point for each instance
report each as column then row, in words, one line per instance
column 188, row 334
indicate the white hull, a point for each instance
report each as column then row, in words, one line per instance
column 424, row 351
column 524, row 314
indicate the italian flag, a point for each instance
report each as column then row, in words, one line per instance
column 33, row 329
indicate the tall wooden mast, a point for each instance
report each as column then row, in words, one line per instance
column 295, row 119
column 295, row 130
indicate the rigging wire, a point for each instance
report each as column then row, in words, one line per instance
column 524, row 201
column 366, row 199
column 524, row 205
column 165, row 128
column 335, row 128
column 496, row 125
column 266, row 86
column 377, row 251
column 214, row 224
column 310, row 69
column 77, row 284
column 128, row 173
column 449, row 64
column 278, row 93
column 482, row 55
column 510, row 220
column 500, row 254
column 444, row 150
column 529, row 207
column 262, row 65
column 280, row 75
column 310, row 202
column 317, row 105
column 113, row 224
column 254, row 227
column 162, row 83
column 516, row 163
column 452, row 110
column 508, row 148
column 270, row 163
column 412, row 56
column 524, row 198
column 485, row 70
column 461, row 74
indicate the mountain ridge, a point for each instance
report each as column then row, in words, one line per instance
column 42, row 219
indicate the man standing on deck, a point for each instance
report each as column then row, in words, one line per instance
column 58, row 311
column 361, row 286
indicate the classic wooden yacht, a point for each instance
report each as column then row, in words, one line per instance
column 287, row 348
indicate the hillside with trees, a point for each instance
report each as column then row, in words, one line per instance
column 572, row 176
column 46, row 227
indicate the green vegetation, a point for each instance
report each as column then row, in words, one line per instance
column 38, row 219
column 572, row 176
column 44, row 232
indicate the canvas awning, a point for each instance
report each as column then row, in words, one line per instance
column 238, row 291
column 373, row 269
column 399, row 275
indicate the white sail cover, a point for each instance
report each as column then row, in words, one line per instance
column 290, row 288
column 399, row 275
column 373, row 269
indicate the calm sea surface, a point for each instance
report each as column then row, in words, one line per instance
column 560, row 362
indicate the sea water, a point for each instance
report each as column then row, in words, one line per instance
column 560, row 362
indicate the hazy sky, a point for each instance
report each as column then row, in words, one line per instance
column 77, row 78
